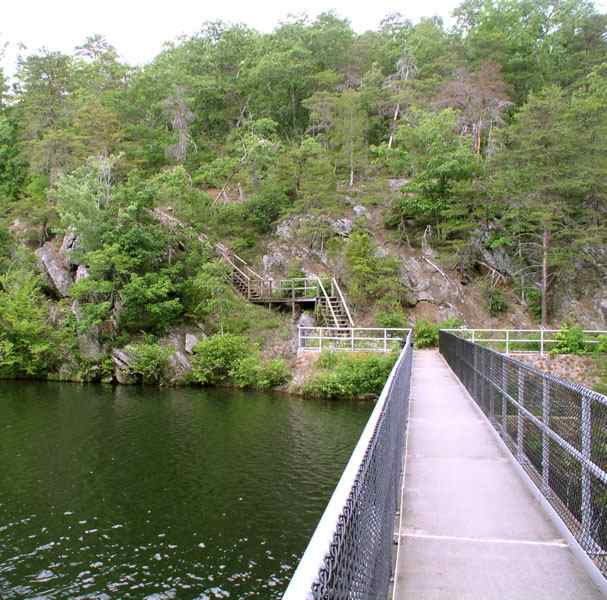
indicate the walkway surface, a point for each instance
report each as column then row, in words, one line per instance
column 471, row 529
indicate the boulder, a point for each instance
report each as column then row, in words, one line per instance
column 81, row 273
column 359, row 210
column 122, row 363
column 54, row 267
column 190, row 341
column 89, row 345
column 342, row 227
column 69, row 244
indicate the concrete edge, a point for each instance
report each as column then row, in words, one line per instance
column 583, row 559
column 401, row 506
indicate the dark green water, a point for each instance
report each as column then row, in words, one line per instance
column 143, row 493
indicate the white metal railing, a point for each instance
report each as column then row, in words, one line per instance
column 350, row 552
column 522, row 341
column 351, row 339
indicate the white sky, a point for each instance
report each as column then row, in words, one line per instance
column 138, row 28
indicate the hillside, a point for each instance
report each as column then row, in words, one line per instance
column 440, row 173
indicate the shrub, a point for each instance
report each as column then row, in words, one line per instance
column 426, row 332
column 149, row 361
column 228, row 356
column 601, row 346
column 496, row 301
column 391, row 318
column 570, row 340
column 216, row 356
column 346, row 376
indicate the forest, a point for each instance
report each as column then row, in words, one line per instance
column 484, row 137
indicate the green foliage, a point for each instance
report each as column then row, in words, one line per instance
column 496, row 301
column 371, row 276
column 227, row 356
column 149, row 361
column 251, row 372
column 426, row 333
column 346, row 376
column 393, row 318
column 150, row 302
column 216, row 356
column 29, row 346
column 569, row 340
column 601, row 346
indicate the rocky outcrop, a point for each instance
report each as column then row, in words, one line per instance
column 53, row 265
column 122, row 367
column 181, row 340
column 70, row 243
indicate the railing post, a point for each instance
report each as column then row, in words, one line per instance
column 385, row 340
column 545, row 437
column 586, row 434
column 473, row 335
column 352, row 337
column 504, row 399
column 541, row 342
column 491, row 389
column 475, row 363
column 520, row 423
column 507, row 342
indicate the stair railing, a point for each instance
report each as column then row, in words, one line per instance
column 327, row 300
column 342, row 299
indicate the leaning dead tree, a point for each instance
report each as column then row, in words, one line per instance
column 180, row 117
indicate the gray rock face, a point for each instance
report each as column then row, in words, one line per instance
column 69, row 244
column 190, row 341
column 342, row 227
column 81, row 273
column 182, row 340
column 89, row 345
column 54, row 267
column 397, row 183
column 122, row 363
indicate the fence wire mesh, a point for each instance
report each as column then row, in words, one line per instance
column 556, row 430
column 359, row 541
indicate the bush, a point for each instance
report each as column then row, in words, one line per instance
column 391, row 318
column 346, row 376
column 149, row 361
column 228, row 356
column 426, row 333
column 601, row 346
column 496, row 301
column 216, row 356
column 570, row 340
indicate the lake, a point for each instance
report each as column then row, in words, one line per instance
column 130, row 492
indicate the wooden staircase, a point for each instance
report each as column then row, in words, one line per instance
column 331, row 306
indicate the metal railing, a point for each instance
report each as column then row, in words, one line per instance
column 350, row 554
column 556, row 430
column 522, row 341
column 351, row 339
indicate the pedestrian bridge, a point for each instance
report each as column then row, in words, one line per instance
column 477, row 477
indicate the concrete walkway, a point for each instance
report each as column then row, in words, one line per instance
column 471, row 529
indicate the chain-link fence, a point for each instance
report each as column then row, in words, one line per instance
column 350, row 554
column 556, row 430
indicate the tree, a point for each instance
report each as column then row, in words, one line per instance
column 534, row 173
column 481, row 99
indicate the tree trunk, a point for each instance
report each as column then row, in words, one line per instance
column 394, row 119
column 545, row 249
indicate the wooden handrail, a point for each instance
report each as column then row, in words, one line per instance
column 342, row 300
column 322, row 288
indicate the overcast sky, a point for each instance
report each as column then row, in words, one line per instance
column 139, row 27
